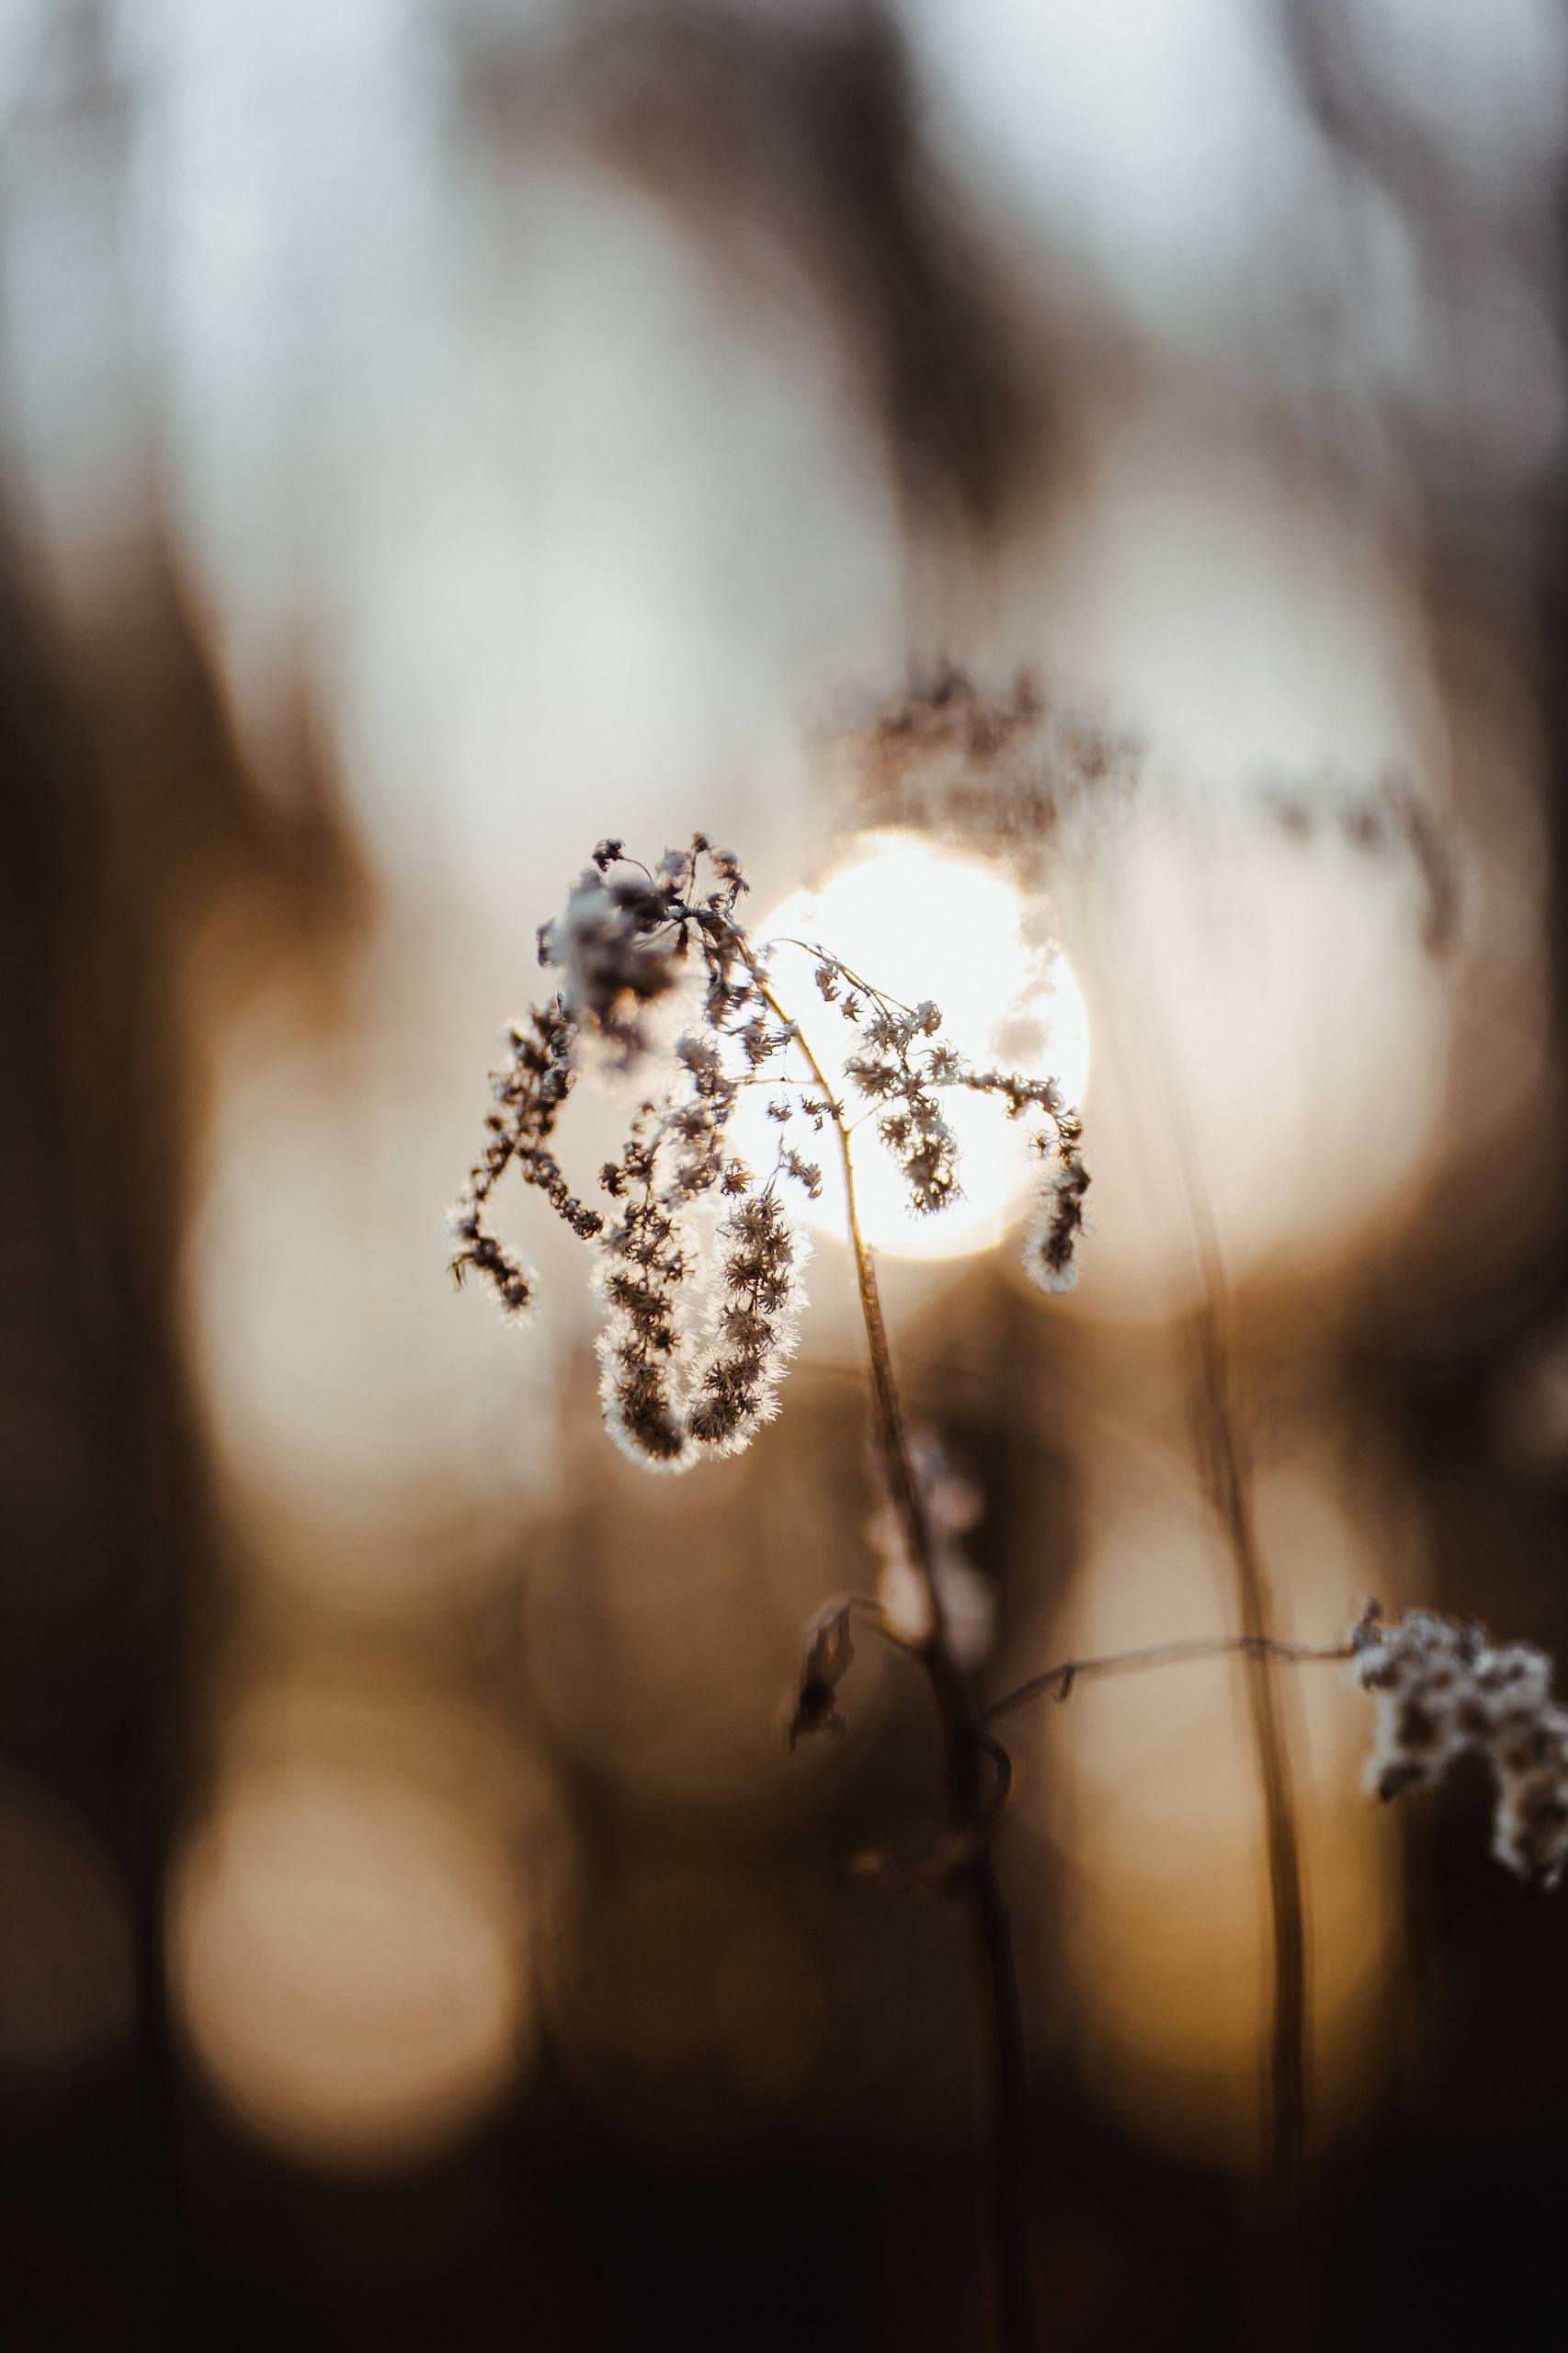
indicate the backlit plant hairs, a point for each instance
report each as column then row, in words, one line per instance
column 702, row 1310
column 699, row 1267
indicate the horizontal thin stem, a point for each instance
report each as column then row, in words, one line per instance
column 1062, row 1679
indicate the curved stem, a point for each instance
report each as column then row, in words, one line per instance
column 967, row 1747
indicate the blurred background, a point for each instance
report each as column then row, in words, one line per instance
column 437, row 433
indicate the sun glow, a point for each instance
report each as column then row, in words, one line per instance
column 923, row 922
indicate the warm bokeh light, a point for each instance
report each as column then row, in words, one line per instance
column 380, row 1448
column 920, row 921
column 1076, row 498
column 1152, row 1801
column 1273, row 1056
column 348, row 1961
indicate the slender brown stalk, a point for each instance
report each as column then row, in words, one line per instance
column 1228, row 1486
column 1229, row 1489
column 968, row 1748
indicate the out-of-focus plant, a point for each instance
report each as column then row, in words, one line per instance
column 699, row 1265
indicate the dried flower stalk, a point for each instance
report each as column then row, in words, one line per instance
column 701, row 1309
column 699, row 1269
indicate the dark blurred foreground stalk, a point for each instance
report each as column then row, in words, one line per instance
column 969, row 1754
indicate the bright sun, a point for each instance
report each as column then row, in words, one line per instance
column 924, row 922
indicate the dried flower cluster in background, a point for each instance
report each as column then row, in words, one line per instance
column 1443, row 1687
column 1003, row 774
column 1023, row 775
column 698, row 1259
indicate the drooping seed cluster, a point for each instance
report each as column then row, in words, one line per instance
column 1051, row 1242
column 756, row 1316
column 648, row 1254
column 529, row 1092
column 699, row 1261
column 916, row 1132
column 903, row 1063
column 1442, row 1688
column 1052, row 1236
column 892, row 1069
column 702, row 1313
column 692, row 1366
column 953, row 1506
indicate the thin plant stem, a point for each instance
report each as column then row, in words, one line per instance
column 1229, row 1487
column 1059, row 1680
column 969, row 1748
column 1227, row 1483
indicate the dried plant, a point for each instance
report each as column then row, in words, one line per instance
column 698, row 1258
column 1027, row 776
column 1442, row 1688
column 698, row 1267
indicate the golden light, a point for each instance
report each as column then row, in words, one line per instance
column 374, row 1445
column 1153, row 1802
column 1274, row 1041
column 346, row 1962
column 921, row 921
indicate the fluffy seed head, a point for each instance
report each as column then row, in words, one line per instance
column 1441, row 1687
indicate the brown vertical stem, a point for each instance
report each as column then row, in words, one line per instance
column 1228, row 1486
column 1229, row 1489
column 991, row 1929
